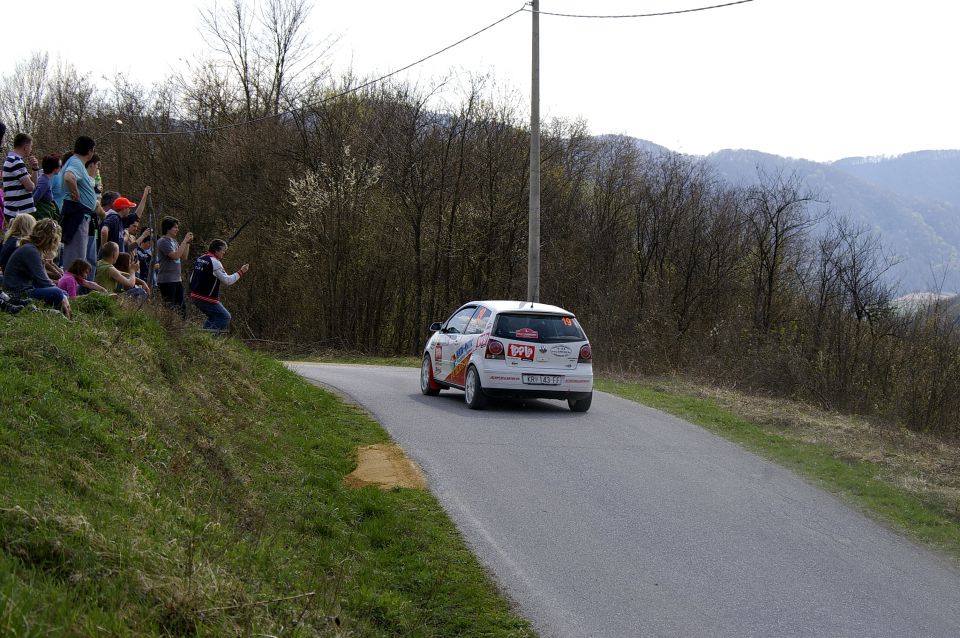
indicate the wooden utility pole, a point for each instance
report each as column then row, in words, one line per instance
column 533, row 246
column 119, row 129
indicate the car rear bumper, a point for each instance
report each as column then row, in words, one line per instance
column 527, row 393
column 509, row 383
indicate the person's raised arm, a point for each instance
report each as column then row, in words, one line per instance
column 222, row 275
column 183, row 249
column 143, row 202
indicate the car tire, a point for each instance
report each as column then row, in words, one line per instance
column 580, row 405
column 427, row 385
column 473, row 391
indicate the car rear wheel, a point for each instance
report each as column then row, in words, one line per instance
column 473, row 391
column 427, row 385
column 580, row 405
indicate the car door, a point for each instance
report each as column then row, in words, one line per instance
column 475, row 336
column 448, row 342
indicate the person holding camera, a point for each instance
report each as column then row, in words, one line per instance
column 170, row 252
column 144, row 254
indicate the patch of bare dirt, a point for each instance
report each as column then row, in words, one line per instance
column 385, row 466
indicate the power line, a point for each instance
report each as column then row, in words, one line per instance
column 332, row 97
column 640, row 15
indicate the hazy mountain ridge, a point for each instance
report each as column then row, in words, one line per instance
column 911, row 200
column 927, row 174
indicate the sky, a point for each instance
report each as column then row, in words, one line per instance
column 812, row 79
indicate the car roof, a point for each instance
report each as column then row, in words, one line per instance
column 502, row 305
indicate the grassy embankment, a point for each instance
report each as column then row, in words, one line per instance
column 155, row 481
column 906, row 479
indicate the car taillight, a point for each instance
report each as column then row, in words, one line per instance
column 494, row 350
column 586, row 355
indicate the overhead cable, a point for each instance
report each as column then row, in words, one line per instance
column 639, row 15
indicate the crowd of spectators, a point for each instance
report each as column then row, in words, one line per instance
column 56, row 213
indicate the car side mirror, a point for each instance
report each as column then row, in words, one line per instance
column 435, row 326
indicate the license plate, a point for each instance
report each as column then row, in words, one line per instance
column 542, row 379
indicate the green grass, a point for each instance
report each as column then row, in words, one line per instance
column 155, row 481
column 858, row 482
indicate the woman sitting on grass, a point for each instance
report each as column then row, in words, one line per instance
column 25, row 276
column 76, row 277
column 21, row 226
column 111, row 277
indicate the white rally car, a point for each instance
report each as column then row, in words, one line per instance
column 509, row 349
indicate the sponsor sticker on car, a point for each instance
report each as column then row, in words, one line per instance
column 561, row 350
column 527, row 333
column 521, row 351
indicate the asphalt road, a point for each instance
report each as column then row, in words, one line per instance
column 625, row 521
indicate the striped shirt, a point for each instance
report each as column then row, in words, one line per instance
column 16, row 199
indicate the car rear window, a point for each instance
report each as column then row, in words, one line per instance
column 538, row 328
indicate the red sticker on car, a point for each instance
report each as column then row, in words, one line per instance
column 527, row 333
column 567, row 321
column 438, row 352
column 519, row 350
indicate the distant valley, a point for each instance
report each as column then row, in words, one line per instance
column 912, row 201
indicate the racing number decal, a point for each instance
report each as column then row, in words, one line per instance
column 519, row 350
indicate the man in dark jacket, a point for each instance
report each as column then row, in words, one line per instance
column 208, row 274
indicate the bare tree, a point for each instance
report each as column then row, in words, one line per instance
column 267, row 48
column 23, row 93
column 229, row 32
column 778, row 220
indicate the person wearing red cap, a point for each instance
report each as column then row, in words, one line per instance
column 112, row 227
